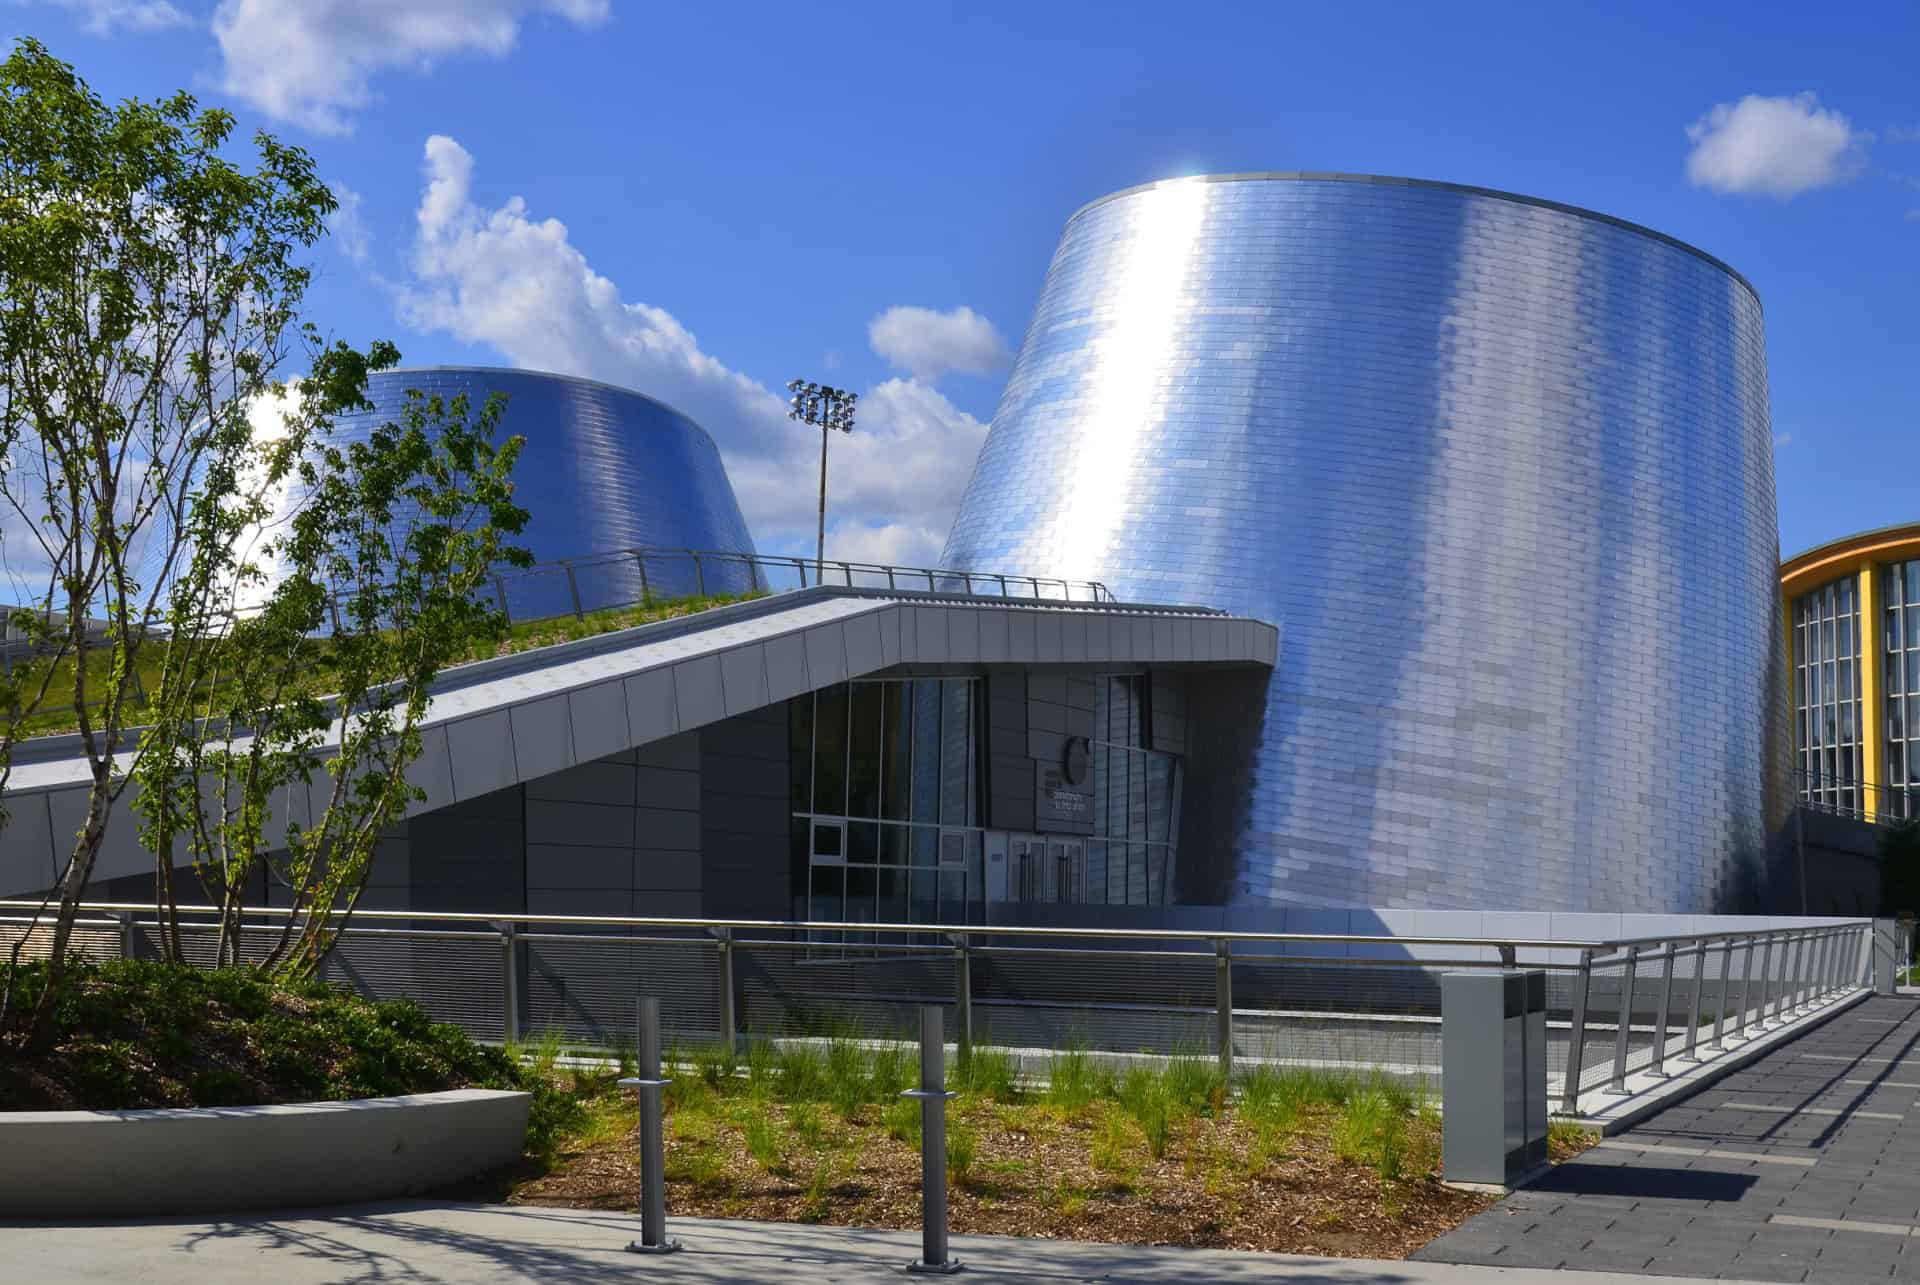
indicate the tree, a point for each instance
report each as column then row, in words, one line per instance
column 381, row 565
column 150, row 294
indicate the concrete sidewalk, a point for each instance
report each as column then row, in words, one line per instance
column 1803, row 1166
column 411, row 1243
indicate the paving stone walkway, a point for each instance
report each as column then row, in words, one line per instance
column 1804, row 1166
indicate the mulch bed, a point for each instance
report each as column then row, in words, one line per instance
column 1217, row 1185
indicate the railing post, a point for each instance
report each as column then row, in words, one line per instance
column 1687, row 1054
column 1776, row 991
column 1797, row 966
column 932, row 1095
column 646, row 590
column 1223, row 1004
column 1746, row 988
column 573, row 592
column 962, row 998
column 1810, row 966
column 699, row 576
column 1618, row 1082
column 499, row 591
column 509, row 982
column 1660, row 1020
column 1720, row 1010
column 1577, row 1036
column 125, row 918
column 1829, row 948
column 1766, row 982
column 653, row 1178
column 723, row 942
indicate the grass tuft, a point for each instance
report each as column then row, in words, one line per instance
column 987, row 1073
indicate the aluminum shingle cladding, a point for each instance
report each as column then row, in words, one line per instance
column 603, row 468
column 1502, row 475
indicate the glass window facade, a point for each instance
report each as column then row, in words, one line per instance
column 886, row 810
column 1826, row 684
column 1900, row 592
column 1135, row 798
column 889, row 822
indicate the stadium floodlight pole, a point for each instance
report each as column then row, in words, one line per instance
column 830, row 408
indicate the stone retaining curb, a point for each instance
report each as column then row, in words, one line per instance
column 90, row 1164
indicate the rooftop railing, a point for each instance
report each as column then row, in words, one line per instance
column 633, row 577
column 1366, row 1004
column 1842, row 796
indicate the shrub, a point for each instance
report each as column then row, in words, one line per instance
column 807, row 1126
column 1372, row 1131
column 1074, row 1081
column 1193, row 1084
column 902, row 1118
column 987, row 1073
column 1112, row 1148
column 762, row 1137
column 141, row 1033
column 1144, row 1094
column 803, row 1073
column 962, row 1145
column 715, row 1063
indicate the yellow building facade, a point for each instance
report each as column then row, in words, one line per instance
column 1852, row 613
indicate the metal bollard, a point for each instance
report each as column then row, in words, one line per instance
column 932, row 1096
column 653, row 1178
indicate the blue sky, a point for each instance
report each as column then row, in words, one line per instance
column 704, row 200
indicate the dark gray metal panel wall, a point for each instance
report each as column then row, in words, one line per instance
column 469, row 856
column 745, row 812
column 619, row 835
column 1169, row 712
column 1009, row 770
column 1059, row 705
column 1502, row 475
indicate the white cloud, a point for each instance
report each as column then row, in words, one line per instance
column 1775, row 146
column 348, row 229
column 104, row 17
column 928, row 344
column 503, row 278
column 1782, row 439
column 312, row 61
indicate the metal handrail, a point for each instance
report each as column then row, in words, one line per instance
column 1879, row 802
column 997, row 584
column 1785, row 971
column 693, row 926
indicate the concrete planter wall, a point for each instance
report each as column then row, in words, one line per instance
column 85, row 1164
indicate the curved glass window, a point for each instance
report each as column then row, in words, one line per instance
column 1900, row 591
column 1826, row 688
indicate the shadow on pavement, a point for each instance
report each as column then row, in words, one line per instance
column 1642, row 1182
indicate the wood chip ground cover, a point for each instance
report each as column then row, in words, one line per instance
column 1293, row 1179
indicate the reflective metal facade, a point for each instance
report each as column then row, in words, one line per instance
column 604, row 468
column 1501, row 472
